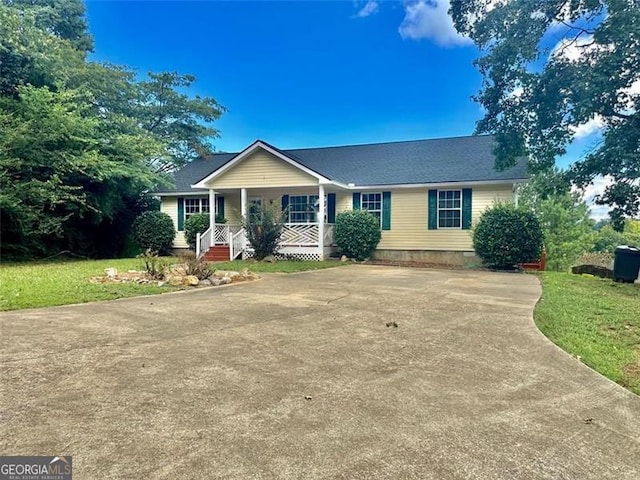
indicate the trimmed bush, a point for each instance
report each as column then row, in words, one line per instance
column 196, row 223
column 507, row 235
column 154, row 231
column 357, row 233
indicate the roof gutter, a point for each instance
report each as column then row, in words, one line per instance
column 438, row 185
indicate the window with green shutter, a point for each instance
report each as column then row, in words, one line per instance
column 450, row 209
column 331, row 208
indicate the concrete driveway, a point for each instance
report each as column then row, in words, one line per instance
column 297, row 376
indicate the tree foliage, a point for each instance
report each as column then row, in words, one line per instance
column 549, row 66
column 357, row 233
column 82, row 142
column 564, row 218
column 507, row 235
column 607, row 239
column 263, row 227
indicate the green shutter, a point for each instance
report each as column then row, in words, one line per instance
column 285, row 202
column 433, row 210
column 356, row 201
column 466, row 208
column 180, row 214
column 331, row 208
column 386, row 210
column 220, row 206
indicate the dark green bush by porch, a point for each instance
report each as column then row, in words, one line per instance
column 196, row 223
column 357, row 233
column 507, row 235
column 154, row 231
column 263, row 227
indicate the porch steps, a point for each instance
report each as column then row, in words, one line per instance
column 219, row 253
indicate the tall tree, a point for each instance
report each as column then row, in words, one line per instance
column 82, row 142
column 563, row 215
column 551, row 66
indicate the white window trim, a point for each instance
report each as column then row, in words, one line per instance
column 381, row 204
column 438, row 209
column 200, row 200
column 326, row 206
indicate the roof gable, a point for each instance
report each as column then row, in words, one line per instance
column 249, row 153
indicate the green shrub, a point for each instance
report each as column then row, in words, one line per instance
column 506, row 235
column 263, row 227
column 154, row 231
column 357, row 233
column 196, row 223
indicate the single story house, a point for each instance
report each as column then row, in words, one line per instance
column 426, row 193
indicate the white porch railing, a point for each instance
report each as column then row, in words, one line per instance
column 203, row 242
column 237, row 244
column 221, row 234
column 300, row 234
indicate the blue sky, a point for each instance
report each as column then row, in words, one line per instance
column 303, row 74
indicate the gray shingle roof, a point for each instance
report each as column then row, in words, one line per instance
column 459, row 159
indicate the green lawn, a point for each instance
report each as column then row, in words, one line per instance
column 45, row 284
column 594, row 319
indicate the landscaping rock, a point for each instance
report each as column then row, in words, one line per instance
column 204, row 282
column 225, row 280
column 174, row 280
column 344, row 258
column 269, row 259
column 111, row 272
column 191, row 280
column 179, row 270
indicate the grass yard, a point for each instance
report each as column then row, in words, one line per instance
column 594, row 319
column 46, row 284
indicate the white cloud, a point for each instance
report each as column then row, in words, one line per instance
column 572, row 49
column 430, row 19
column 597, row 212
column 368, row 9
column 595, row 125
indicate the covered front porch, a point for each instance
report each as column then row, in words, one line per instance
column 302, row 241
column 308, row 235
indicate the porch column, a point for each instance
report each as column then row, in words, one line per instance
column 243, row 211
column 321, row 220
column 243, row 202
column 212, row 216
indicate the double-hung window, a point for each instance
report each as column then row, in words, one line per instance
column 449, row 208
column 195, row 205
column 303, row 208
column 372, row 203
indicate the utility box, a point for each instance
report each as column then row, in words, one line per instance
column 626, row 263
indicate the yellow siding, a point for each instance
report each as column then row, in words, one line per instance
column 262, row 169
column 409, row 220
column 344, row 202
column 169, row 205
